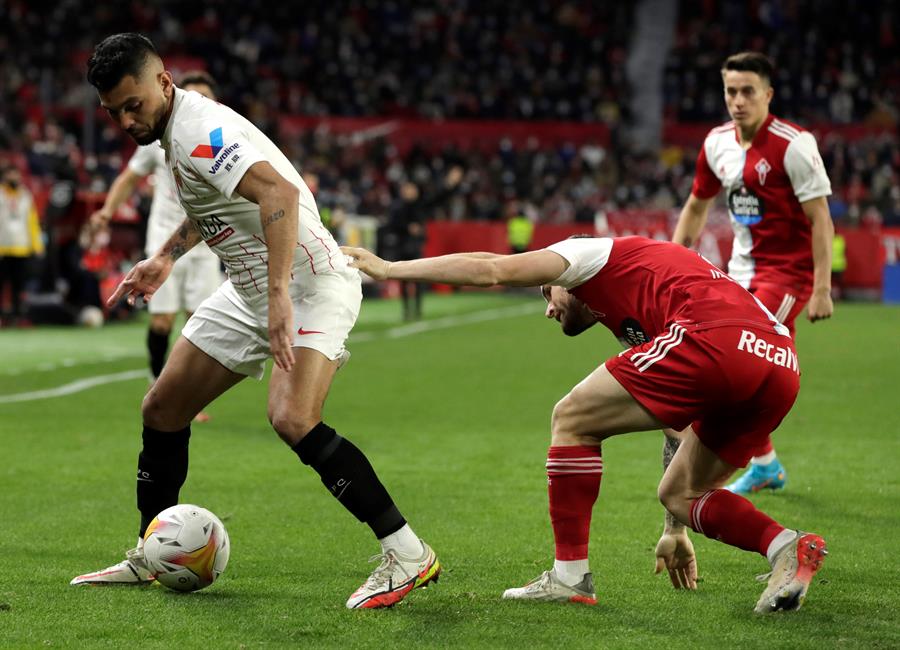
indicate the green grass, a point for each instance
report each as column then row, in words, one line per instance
column 456, row 422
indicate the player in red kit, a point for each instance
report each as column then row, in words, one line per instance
column 706, row 358
column 776, row 188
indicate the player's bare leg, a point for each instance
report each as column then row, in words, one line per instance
column 190, row 380
column 295, row 406
column 691, row 491
column 597, row 408
column 674, row 551
column 158, row 334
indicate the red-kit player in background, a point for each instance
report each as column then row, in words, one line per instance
column 776, row 188
column 706, row 359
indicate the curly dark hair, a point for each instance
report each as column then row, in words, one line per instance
column 116, row 57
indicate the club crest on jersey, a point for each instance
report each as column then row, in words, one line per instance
column 762, row 168
column 746, row 208
column 212, row 149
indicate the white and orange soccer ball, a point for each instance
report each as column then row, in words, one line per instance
column 186, row 547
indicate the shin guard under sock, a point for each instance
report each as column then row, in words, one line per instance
column 350, row 478
column 162, row 469
column 573, row 483
column 730, row 518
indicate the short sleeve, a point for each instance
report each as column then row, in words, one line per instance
column 805, row 168
column 586, row 256
column 220, row 153
column 143, row 161
column 706, row 183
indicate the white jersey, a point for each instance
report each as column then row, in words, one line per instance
column 209, row 148
column 166, row 213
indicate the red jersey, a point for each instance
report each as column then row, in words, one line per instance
column 765, row 186
column 638, row 287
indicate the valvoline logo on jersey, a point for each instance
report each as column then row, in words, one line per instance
column 746, row 208
column 212, row 149
column 215, row 149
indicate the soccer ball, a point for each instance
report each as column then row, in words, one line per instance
column 186, row 547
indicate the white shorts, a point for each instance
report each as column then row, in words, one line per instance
column 235, row 332
column 194, row 278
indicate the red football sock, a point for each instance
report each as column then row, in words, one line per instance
column 573, row 482
column 730, row 518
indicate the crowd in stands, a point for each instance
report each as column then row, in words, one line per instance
column 545, row 60
column 569, row 183
column 835, row 59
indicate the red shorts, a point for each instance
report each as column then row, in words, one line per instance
column 785, row 303
column 733, row 383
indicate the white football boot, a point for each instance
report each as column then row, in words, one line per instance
column 395, row 577
column 793, row 569
column 132, row 571
column 548, row 588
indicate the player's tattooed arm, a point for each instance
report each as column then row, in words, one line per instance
column 272, row 218
column 669, row 448
column 184, row 239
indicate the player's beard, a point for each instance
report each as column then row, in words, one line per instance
column 576, row 318
column 156, row 130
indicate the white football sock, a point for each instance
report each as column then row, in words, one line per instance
column 763, row 460
column 570, row 572
column 781, row 540
column 404, row 542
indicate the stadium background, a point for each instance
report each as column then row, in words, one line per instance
column 577, row 115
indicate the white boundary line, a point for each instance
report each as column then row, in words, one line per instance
column 401, row 331
column 74, row 387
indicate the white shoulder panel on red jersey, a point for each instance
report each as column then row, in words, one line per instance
column 724, row 155
column 805, row 168
column 586, row 256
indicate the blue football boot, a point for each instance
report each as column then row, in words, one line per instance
column 760, row 477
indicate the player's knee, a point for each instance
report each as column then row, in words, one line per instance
column 159, row 415
column 562, row 422
column 674, row 499
column 162, row 323
column 292, row 426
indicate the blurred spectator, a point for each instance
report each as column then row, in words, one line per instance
column 838, row 265
column 403, row 236
column 519, row 229
column 20, row 240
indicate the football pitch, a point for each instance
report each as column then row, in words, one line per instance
column 454, row 414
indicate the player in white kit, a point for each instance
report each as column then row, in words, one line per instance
column 196, row 275
column 290, row 295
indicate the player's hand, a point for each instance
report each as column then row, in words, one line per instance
column 99, row 218
column 675, row 552
column 281, row 329
column 142, row 280
column 820, row 306
column 368, row 263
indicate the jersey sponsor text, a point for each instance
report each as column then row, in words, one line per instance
column 784, row 357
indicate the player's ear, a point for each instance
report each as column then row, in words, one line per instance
column 167, row 83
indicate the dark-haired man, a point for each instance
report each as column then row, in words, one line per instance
column 290, row 295
column 776, row 188
column 714, row 364
column 195, row 276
